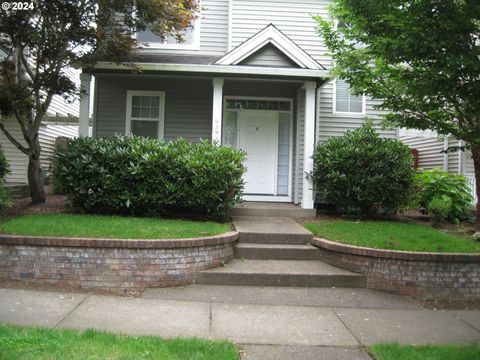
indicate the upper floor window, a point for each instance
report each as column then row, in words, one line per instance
column 344, row 102
column 191, row 38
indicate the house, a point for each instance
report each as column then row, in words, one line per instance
column 252, row 75
column 432, row 153
column 62, row 120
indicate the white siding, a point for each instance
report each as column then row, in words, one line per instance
column 293, row 18
column 430, row 149
column 299, row 146
column 18, row 160
column 62, row 107
column 329, row 125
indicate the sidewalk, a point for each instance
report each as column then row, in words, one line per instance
column 269, row 323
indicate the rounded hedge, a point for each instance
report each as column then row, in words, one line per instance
column 363, row 173
column 135, row 175
column 436, row 183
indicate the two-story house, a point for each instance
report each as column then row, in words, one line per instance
column 252, row 75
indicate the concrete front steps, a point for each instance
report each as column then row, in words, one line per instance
column 280, row 273
column 254, row 251
column 275, row 251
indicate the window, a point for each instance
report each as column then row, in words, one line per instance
column 343, row 100
column 145, row 113
column 191, row 38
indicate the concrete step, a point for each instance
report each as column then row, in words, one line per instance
column 276, row 252
column 269, row 209
column 271, row 230
column 285, row 239
column 280, row 273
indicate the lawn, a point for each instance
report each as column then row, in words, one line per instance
column 113, row 227
column 427, row 352
column 392, row 235
column 39, row 343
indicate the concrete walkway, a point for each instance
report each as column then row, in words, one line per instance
column 267, row 322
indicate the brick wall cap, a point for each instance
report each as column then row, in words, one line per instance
column 228, row 237
column 394, row 254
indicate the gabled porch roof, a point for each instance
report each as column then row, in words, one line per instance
column 270, row 35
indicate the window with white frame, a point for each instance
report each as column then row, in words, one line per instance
column 191, row 37
column 344, row 101
column 145, row 113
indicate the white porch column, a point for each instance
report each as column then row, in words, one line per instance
column 309, row 143
column 217, row 110
column 84, row 115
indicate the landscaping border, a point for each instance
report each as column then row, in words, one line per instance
column 119, row 265
column 431, row 276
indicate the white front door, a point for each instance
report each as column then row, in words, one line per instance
column 257, row 135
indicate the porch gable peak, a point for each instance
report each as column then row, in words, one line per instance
column 270, row 35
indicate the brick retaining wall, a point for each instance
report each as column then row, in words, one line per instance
column 111, row 265
column 433, row 276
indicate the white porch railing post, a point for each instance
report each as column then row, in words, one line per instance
column 217, row 110
column 84, row 116
column 310, row 87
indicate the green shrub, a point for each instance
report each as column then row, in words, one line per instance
column 4, row 171
column 439, row 208
column 436, row 183
column 363, row 173
column 134, row 175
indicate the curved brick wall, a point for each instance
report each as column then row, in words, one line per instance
column 111, row 265
column 422, row 275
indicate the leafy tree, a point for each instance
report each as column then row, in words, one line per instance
column 43, row 41
column 420, row 57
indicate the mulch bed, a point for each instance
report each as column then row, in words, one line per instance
column 24, row 206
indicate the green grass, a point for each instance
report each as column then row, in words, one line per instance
column 392, row 235
column 427, row 352
column 113, row 227
column 37, row 343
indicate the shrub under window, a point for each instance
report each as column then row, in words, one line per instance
column 363, row 173
column 134, row 175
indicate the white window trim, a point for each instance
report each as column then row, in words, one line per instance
column 347, row 113
column 193, row 46
column 161, row 119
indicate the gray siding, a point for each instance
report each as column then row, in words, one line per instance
column 329, row 125
column 213, row 31
column 269, row 56
column 469, row 169
column 453, row 158
column 188, row 108
column 430, row 149
column 293, row 18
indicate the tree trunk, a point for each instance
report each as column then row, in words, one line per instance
column 35, row 175
column 476, row 165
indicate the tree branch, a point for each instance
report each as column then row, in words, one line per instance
column 13, row 140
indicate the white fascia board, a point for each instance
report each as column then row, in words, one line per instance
column 269, row 35
column 218, row 69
